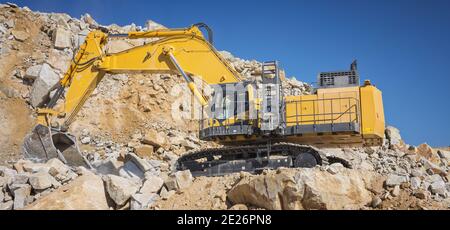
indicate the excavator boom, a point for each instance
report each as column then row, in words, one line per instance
column 183, row 51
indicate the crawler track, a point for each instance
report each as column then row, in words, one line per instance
column 253, row 158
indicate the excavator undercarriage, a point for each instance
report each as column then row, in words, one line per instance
column 254, row 159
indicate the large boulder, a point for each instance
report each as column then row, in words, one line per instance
column 59, row 60
column 41, row 180
column 184, row 179
column 43, row 83
column 120, row 189
column 20, row 35
column 394, row 138
column 154, row 138
column 33, row 72
column 304, row 189
column 21, row 192
column 152, row 185
column 86, row 192
column 62, row 38
column 394, row 179
column 424, row 150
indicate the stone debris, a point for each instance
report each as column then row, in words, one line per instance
column 120, row 189
column 20, row 35
column 62, row 38
column 46, row 80
column 303, row 189
column 152, row 184
column 394, row 180
column 184, row 179
column 140, row 201
column 41, row 180
column 33, row 72
column 83, row 193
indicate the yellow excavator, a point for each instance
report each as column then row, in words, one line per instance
column 259, row 126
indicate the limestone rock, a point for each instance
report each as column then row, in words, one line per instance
column 415, row 182
column 428, row 153
column 33, row 72
column 184, row 179
column 304, row 189
column 154, row 138
column 438, row 187
column 62, row 38
column 120, row 189
column 394, row 179
column 145, row 151
column 166, row 194
column 21, row 194
column 20, row 35
column 152, row 185
column 86, row 192
column 394, row 138
column 42, row 85
column 141, row 201
column 57, row 167
column 41, row 180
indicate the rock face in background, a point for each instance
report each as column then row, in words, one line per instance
column 133, row 141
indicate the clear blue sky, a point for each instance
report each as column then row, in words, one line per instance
column 403, row 46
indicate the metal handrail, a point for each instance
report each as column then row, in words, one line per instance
column 298, row 121
column 348, row 111
column 323, row 114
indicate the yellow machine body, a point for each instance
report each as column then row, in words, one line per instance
column 331, row 116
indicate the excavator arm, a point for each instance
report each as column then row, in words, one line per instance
column 183, row 51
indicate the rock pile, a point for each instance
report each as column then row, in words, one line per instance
column 54, row 185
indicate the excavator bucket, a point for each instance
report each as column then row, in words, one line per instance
column 43, row 144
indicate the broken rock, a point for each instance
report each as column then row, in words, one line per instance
column 41, row 180
column 394, row 179
column 139, row 162
column 152, row 185
column 21, row 194
column 303, row 189
column 42, row 85
column 145, row 151
column 62, row 38
column 120, row 189
column 141, row 201
column 183, row 179
column 57, row 167
column 8, row 205
column 428, row 153
column 33, row 72
column 86, row 192
column 335, row 168
column 415, row 182
column 20, row 35
column 166, row 194
column 438, row 187
column 155, row 138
